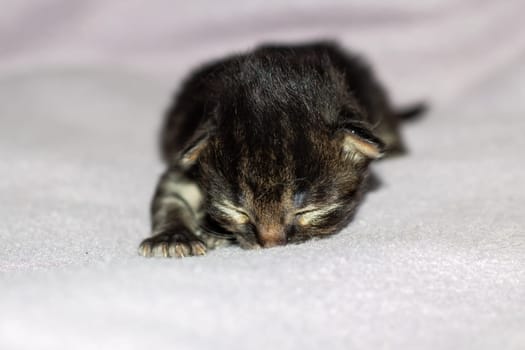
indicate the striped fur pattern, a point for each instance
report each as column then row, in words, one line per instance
column 268, row 148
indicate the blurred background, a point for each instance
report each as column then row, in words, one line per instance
column 434, row 49
column 435, row 259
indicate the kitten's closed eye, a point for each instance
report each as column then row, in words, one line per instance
column 232, row 212
column 311, row 215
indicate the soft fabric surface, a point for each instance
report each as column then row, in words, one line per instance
column 435, row 258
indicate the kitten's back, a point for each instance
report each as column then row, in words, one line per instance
column 316, row 76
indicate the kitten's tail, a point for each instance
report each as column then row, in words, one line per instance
column 412, row 112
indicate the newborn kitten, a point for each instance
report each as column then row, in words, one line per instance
column 268, row 148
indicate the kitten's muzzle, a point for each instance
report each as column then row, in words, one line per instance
column 271, row 237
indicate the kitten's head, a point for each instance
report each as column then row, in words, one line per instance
column 280, row 160
column 285, row 187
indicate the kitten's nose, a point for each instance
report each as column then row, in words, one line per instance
column 271, row 237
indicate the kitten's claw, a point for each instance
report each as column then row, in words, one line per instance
column 145, row 249
column 172, row 245
column 179, row 250
column 198, row 248
column 161, row 249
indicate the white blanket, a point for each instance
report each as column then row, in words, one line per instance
column 435, row 258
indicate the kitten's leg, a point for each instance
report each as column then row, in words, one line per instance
column 174, row 218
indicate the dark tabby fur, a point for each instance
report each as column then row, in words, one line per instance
column 268, row 148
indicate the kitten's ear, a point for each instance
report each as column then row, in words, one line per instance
column 191, row 153
column 359, row 140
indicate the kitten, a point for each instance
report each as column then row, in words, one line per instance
column 268, row 148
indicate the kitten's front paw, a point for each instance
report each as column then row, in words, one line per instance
column 172, row 244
